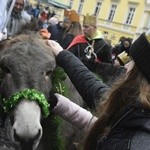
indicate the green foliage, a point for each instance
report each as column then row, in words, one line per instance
column 59, row 86
column 58, row 78
column 53, row 137
column 30, row 94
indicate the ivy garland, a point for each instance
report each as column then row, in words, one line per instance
column 30, row 94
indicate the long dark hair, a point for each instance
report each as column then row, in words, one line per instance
column 123, row 93
column 75, row 29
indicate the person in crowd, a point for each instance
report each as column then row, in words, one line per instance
column 53, row 14
column 57, row 31
column 29, row 9
column 44, row 14
column 72, row 30
column 53, row 21
column 49, row 14
column 124, row 109
column 45, row 24
column 122, row 59
column 91, row 48
column 43, row 17
column 18, row 19
column 3, row 17
column 124, row 45
column 36, row 11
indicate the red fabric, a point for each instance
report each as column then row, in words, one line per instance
column 78, row 39
column 44, row 16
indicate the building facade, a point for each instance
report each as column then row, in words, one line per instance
column 116, row 18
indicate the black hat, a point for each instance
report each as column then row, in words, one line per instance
column 140, row 52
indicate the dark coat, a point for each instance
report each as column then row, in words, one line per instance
column 101, row 48
column 67, row 40
column 130, row 132
column 57, row 32
column 90, row 91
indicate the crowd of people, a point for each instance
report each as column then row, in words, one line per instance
column 123, row 110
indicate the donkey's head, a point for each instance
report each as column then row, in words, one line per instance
column 26, row 64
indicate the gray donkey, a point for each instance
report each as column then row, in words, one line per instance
column 26, row 70
column 26, row 73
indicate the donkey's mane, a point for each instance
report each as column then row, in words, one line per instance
column 31, row 37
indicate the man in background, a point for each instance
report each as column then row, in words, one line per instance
column 19, row 18
column 57, row 31
column 91, row 48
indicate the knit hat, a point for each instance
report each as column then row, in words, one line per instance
column 71, row 15
column 140, row 52
column 53, row 21
column 91, row 20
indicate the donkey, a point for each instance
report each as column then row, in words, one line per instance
column 26, row 69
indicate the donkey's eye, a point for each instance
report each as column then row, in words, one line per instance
column 4, row 70
column 3, row 73
column 48, row 73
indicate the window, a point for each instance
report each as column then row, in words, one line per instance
column 97, row 8
column 80, row 6
column 130, row 15
column 112, row 12
column 148, row 1
column 146, row 22
column 71, row 3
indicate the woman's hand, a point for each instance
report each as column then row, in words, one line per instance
column 54, row 46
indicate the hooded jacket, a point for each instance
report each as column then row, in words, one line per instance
column 3, row 14
column 130, row 132
column 18, row 21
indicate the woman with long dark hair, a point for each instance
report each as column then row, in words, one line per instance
column 70, row 33
column 124, row 110
column 72, row 30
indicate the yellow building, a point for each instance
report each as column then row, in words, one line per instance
column 116, row 18
column 54, row 5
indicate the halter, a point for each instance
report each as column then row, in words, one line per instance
column 29, row 94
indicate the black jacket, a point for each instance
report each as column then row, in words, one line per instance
column 67, row 40
column 130, row 132
column 57, row 32
column 90, row 88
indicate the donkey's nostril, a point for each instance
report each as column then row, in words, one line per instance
column 38, row 136
column 16, row 137
column 27, row 143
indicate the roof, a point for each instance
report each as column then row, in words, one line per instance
column 56, row 3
